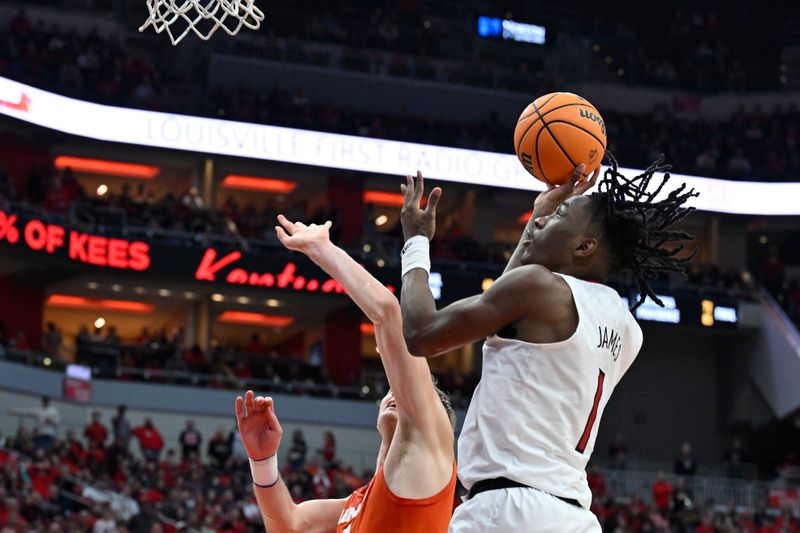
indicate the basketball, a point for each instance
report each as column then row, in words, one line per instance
column 556, row 133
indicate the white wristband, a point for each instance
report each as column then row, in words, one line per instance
column 265, row 471
column 416, row 254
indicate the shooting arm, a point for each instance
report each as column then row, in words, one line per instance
column 430, row 332
column 546, row 204
column 516, row 257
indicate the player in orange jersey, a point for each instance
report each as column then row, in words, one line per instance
column 414, row 484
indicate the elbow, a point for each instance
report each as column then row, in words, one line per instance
column 387, row 310
column 416, row 343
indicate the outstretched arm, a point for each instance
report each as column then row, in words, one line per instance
column 429, row 332
column 261, row 434
column 368, row 293
column 546, row 204
column 409, row 377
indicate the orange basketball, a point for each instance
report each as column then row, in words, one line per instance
column 556, row 133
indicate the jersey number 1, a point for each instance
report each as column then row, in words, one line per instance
column 587, row 431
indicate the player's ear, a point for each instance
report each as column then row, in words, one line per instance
column 586, row 247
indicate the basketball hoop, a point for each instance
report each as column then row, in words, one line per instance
column 202, row 17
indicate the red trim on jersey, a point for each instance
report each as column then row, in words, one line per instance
column 593, row 415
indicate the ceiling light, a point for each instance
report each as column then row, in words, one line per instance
column 113, row 168
column 79, row 302
column 255, row 319
column 393, row 199
column 255, row 183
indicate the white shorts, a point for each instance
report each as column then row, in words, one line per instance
column 521, row 510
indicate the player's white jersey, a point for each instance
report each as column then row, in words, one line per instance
column 534, row 415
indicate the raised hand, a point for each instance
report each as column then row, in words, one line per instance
column 548, row 201
column 259, row 428
column 415, row 220
column 299, row 237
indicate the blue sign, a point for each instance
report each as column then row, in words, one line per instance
column 490, row 27
column 511, row 30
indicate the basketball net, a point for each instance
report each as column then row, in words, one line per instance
column 201, row 17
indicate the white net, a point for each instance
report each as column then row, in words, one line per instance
column 202, row 17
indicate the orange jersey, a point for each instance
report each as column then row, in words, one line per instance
column 375, row 509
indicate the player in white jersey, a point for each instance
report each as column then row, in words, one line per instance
column 557, row 342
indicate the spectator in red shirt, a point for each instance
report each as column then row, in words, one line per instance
column 168, row 468
column 255, row 346
column 96, row 458
column 786, row 523
column 150, row 440
column 707, row 525
column 4, row 504
column 42, row 475
column 662, row 493
column 13, row 521
column 75, row 448
column 95, row 431
column 596, row 482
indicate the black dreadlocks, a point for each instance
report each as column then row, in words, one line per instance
column 637, row 226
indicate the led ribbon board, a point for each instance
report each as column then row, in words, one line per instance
column 304, row 147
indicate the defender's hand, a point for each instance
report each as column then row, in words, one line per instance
column 415, row 220
column 299, row 237
column 259, row 428
column 548, row 201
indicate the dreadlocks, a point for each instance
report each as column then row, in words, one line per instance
column 637, row 226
